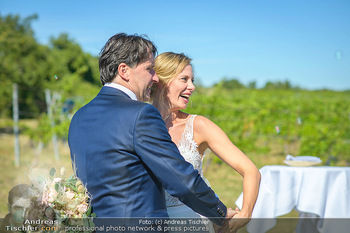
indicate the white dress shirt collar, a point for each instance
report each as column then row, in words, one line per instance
column 123, row 89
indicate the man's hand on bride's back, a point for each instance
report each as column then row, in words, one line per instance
column 235, row 219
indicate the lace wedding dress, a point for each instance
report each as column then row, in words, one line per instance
column 189, row 150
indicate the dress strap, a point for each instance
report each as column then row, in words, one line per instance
column 189, row 127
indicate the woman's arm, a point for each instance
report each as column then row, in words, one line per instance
column 209, row 135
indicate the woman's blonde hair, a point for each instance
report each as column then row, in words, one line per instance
column 167, row 66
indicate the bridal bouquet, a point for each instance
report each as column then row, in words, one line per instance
column 67, row 197
column 50, row 204
column 69, row 200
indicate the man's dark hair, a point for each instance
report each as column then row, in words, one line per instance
column 122, row 48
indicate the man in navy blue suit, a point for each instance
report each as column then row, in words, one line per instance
column 121, row 148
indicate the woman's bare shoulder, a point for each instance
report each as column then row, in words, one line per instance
column 201, row 122
column 202, row 128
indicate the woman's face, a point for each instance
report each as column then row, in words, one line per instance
column 181, row 88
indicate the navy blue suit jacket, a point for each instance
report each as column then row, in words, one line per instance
column 124, row 155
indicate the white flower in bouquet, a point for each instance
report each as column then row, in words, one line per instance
column 52, row 195
column 82, row 208
column 69, row 194
column 55, row 180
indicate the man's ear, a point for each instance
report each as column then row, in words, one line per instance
column 123, row 71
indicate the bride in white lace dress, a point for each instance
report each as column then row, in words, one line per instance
column 194, row 134
column 188, row 149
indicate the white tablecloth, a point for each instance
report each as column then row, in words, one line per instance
column 322, row 191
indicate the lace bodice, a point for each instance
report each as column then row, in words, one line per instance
column 189, row 150
column 188, row 147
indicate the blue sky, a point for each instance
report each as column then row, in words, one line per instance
column 304, row 41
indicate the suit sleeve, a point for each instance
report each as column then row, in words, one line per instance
column 153, row 145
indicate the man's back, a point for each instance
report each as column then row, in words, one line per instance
column 101, row 139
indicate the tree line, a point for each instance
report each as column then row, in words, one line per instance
column 61, row 66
